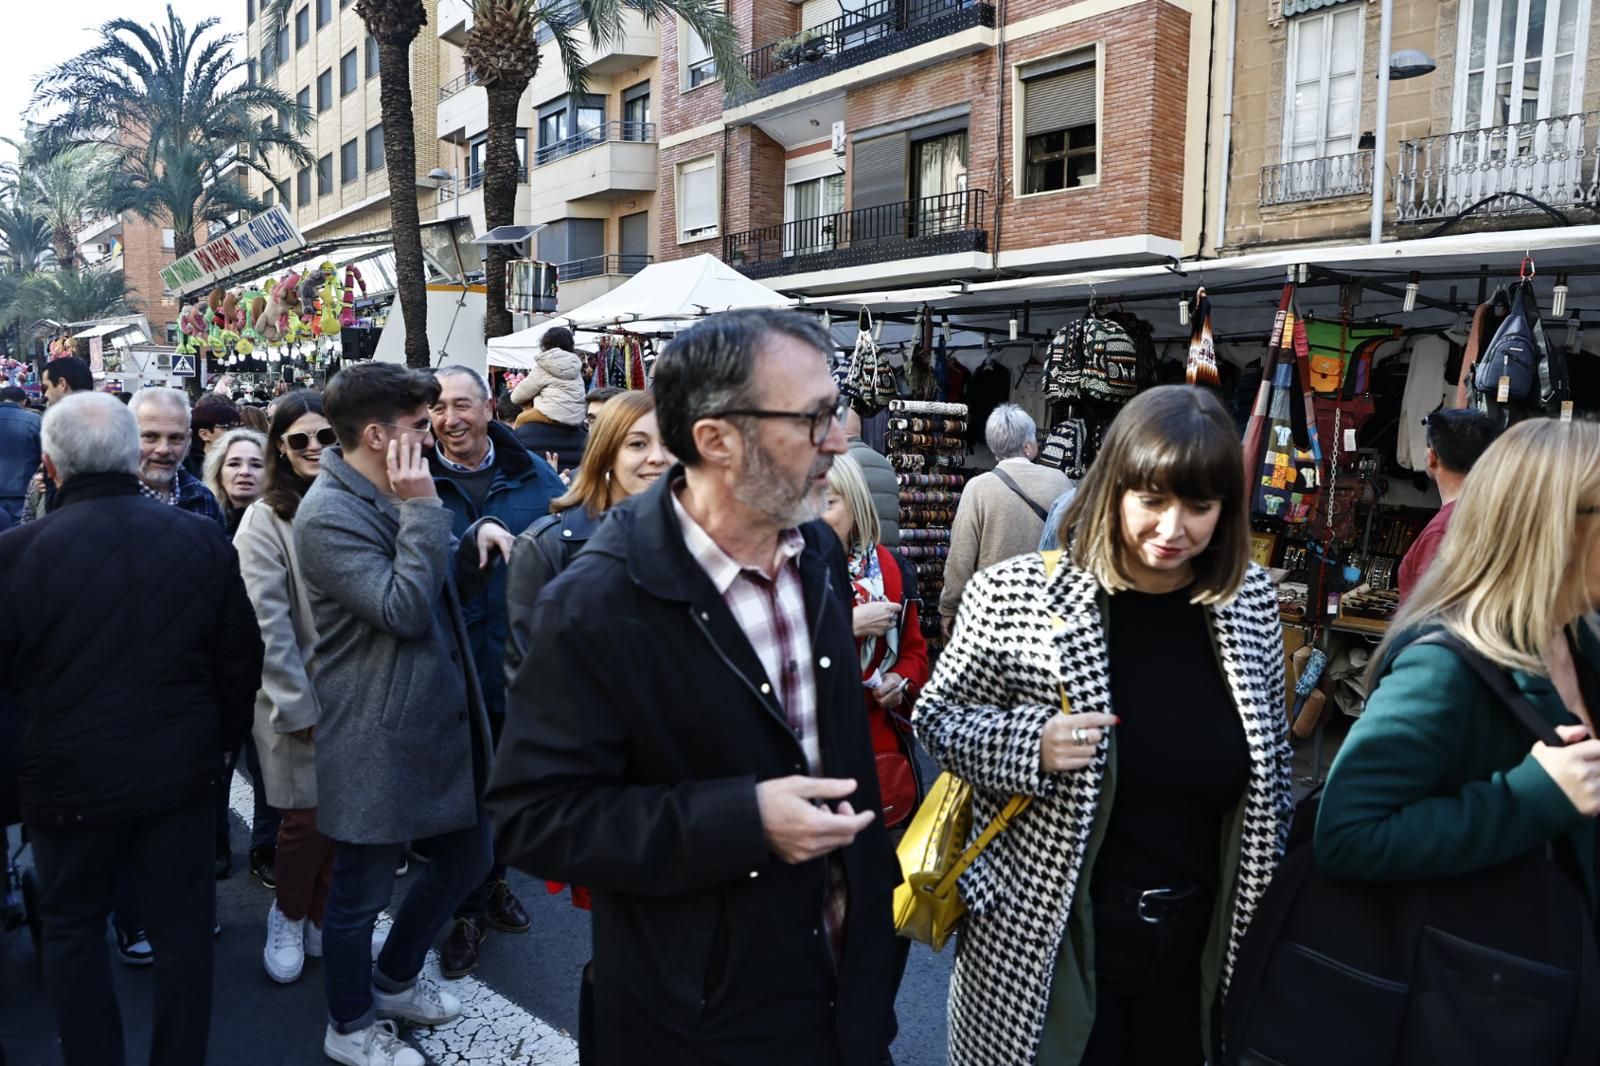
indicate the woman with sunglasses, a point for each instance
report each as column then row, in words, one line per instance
column 286, row 708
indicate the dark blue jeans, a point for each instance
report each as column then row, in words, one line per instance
column 363, row 882
column 264, row 820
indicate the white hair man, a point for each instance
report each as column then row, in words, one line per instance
column 122, row 743
column 164, row 438
column 1001, row 513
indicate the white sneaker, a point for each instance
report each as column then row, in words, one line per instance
column 314, row 940
column 377, row 1045
column 285, row 954
column 424, row 1003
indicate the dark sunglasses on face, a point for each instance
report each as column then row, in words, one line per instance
column 301, row 441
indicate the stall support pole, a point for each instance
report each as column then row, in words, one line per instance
column 1380, row 133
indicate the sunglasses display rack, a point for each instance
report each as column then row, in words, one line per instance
column 927, row 447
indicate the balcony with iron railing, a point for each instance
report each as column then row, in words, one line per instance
column 878, row 29
column 934, row 225
column 1308, row 180
column 456, row 85
column 458, row 187
column 604, row 133
column 598, row 265
column 1503, row 170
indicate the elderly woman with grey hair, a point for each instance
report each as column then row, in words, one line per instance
column 1002, row 513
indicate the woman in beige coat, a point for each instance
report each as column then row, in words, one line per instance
column 286, row 707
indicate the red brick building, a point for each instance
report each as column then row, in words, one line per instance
column 904, row 141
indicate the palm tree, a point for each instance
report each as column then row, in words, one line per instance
column 394, row 24
column 502, row 51
column 66, row 188
column 170, row 111
column 67, row 296
column 24, row 236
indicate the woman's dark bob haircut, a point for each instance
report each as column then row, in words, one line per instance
column 1173, row 439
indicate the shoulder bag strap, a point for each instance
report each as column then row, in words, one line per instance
column 1005, row 478
column 1018, row 803
column 1499, row 684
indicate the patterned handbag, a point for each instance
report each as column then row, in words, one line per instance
column 1063, row 365
column 1110, row 361
column 934, row 853
column 870, row 379
column 1065, row 447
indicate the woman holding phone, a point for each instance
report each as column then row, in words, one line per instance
column 1102, row 924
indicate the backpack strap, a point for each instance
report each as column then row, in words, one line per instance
column 1499, row 684
column 1005, row 479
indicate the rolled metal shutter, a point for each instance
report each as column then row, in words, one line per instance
column 878, row 171
column 1059, row 100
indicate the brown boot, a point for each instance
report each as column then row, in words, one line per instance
column 505, row 910
column 459, row 955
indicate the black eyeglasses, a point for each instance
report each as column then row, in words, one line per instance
column 301, row 441
column 821, row 420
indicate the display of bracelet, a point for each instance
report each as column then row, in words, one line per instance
column 926, row 445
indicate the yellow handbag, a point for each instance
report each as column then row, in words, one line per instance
column 934, row 854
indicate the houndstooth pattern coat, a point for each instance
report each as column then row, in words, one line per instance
column 982, row 717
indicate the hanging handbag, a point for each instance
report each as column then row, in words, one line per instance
column 1483, row 969
column 935, row 852
column 1064, row 448
column 1063, row 365
column 871, row 379
column 1110, row 361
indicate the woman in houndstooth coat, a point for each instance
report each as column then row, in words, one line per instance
column 1102, row 926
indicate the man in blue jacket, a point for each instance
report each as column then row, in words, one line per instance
column 481, row 471
column 19, row 453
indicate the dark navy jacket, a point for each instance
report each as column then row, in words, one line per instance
column 519, row 496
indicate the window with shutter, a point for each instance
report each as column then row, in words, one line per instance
column 1322, row 101
column 878, row 171
column 814, row 13
column 1060, row 123
column 698, row 66
column 697, row 199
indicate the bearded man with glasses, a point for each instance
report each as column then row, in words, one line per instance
column 685, row 735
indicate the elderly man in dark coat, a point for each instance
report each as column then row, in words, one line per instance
column 685, row 735
column 403, row 739
column 131, row 653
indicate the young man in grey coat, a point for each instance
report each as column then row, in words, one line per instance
column 403, row 739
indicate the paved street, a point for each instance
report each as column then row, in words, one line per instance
column 521, row 1007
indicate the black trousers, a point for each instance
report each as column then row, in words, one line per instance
column 1147, row 987
column 170, row 857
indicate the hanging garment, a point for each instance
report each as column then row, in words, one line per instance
column 1426, row 390
column 1202, row 366
column 871, row 377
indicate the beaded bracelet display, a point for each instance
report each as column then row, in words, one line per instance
column 928, row 407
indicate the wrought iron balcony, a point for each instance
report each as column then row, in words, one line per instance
column 456, row 85
column 637, row 132
column 880, row 28
column 1305, row 180
column 474, row 180
column 1553, row 161
column 933, row 225
column 597, row 265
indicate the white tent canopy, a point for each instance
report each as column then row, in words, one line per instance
column 660, row 298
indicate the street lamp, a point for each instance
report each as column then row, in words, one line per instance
column 1407, row 63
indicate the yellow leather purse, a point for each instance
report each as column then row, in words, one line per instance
column 934, row 853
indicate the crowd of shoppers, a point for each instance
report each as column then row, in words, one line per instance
column 673, row 662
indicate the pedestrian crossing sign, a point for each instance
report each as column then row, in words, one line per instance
column 183, row 366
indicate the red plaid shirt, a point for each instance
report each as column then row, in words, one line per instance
column 772, row 613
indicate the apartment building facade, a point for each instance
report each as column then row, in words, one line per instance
column 138, row 249
column 588, row 160
column 1499, row 133
column 905, row 141
column 323, row 58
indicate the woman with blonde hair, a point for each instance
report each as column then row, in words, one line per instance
column 1438, row 778
column 236, row 472
column 1102, row 925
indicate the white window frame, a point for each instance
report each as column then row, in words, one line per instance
column 1355, row 11
column 1019, row 140
column 704, row 233
column 1548, row 107
column 686, row 69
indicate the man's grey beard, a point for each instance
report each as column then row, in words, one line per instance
column 763, row 490
column 157, row 478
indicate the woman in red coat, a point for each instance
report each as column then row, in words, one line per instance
column 894, row 657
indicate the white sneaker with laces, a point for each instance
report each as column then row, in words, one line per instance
column 424, row 1003
column 314, row 940
column 285, row 954
column 377, row 1045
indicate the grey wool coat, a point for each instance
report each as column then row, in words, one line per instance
column 287, row 703
column 403, row 742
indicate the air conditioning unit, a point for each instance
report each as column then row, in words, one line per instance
column 100, row 248
column 838, row 138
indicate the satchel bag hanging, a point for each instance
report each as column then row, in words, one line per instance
column 1509, row 368
column 935, row 851
column 1485, row 969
